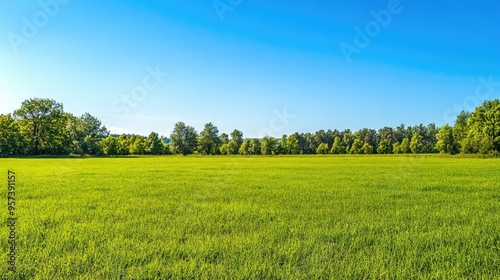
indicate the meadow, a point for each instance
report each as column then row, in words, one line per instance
column 303, row 217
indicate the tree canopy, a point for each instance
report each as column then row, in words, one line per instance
column 41, row 127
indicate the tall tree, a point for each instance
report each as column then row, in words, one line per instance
column 269, row 146
column 461, row 130
column 86, row 133
column 322, row 149
column 445, row 142
column 356, row 147
column 255, row 146
column 384, row 147
column 184, row 139
column 386, row 133
column 367, row 149
column 405, row 146
column 396, row 148
column 123, row 145
column 43, row 124
column 283, row 150
column 347, row 140
column 236, row 142
column 337, row 147
column 368, row 136
column 137, row 145
column 224, row 139
column 400, row 133
column 292, row 145
column 484, row 127
column 109, row 145
column 245, row 147
column 154, row 145
column 416, row 144
column 430, row 138
column 10, row 137
column 209, row 141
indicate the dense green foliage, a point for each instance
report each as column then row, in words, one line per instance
column 307, row 217
column 41, row 126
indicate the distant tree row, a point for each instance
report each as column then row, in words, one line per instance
column 41, row 127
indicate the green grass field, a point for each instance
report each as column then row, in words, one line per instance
column 372, row 217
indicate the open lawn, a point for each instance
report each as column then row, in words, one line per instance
column 304, row 217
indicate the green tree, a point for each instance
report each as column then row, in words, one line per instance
column 367, row 149
column 484, row 127
column 384, row 147
column 400, row 133
column 11, row 142
column 356, row 147
column 154, row 145
column 292, row 145
column 224, row 149
column 184, row 139
column 224, row 139
column 283, row 149
column 109, row 146
column 429, row 135
column 369, row 136
column 445, row 142
column 269, row 146
column 245, row 147
column 209, row 141
column 387, row 134
column 337, row 147
column 322, row 149
column 396, row 148
column 347, row 140
column 86, row 133
column 137, row 145
column 255, row 146
column 236, row 142
column 416, row 143
column 404, row 148
column 460, row 132
column 123, row 147
column 43, row 126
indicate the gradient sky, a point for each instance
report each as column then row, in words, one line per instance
column 241, row 67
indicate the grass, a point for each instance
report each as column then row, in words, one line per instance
column 317, row 217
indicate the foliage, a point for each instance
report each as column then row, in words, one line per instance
column 269, row 146
column 322, row 149
column 41, row 127
column 384, row 147
column 86, row 133
column 10, row 138
column 42, row 124
column 416, row 143
column 337, row 147
column 446, row 143
column 209, row 142
column 184, row 139
column 484, row 127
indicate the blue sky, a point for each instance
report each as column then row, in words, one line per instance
column 264, row 67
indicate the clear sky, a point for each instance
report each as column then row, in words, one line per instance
column 261, row 66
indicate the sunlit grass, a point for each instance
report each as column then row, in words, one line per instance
column 256, row 217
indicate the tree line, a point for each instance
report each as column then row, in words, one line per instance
column 41, row 127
